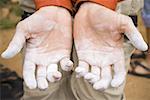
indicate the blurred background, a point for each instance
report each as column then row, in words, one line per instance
column 137, row 88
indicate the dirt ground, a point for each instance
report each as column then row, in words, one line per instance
column 136, row 88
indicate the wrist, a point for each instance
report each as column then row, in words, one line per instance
column 91, row 7
column 55, row 9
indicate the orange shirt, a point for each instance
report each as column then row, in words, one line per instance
column 69, row 4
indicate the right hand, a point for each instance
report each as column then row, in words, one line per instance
column 98, row 37
column 47, row 35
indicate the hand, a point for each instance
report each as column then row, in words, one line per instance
column 98, row 36
column 47, row 35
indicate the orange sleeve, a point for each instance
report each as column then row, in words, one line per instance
column 111, row 4
column 63, row 3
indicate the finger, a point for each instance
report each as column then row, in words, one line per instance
column 95, row 70
column 82, row 69
column 134, row 35
column 41, row 77
column 119, row 74
column 66, row 64
column 52, row 73
column 89, row 76
column 29, row 74
column 15, row 45
column 104, row 82
column 94, row 75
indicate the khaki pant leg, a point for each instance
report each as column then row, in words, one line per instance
column 82, row 90
column 57, row 91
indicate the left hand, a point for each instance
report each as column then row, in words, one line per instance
column 98, row 36
column 47, row 35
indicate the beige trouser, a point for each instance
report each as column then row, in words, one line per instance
column 71, row 88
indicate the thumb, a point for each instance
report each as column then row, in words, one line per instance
column 134, row 35
column 15, row 45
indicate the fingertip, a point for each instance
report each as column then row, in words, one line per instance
column 3, row 55
column 57, row 76
column 42, row 84
column 66, row 64
column 145, row 47
column 50, row 78
column 69, row 66
column 54, row 76
column 116, row 82
column 98, row 86
column 137, row 40
column 88, row 76
column 81, row 71
column 6, row 55
column 31, row 84
column 78, row 70
column 10, row 52
column 101, row 85
column 95, row 87
column 95, row 79
column 141, row 45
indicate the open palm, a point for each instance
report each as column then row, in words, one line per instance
column 47, row 35
column 98, row 36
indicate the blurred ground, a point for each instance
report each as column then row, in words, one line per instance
column 136, row 88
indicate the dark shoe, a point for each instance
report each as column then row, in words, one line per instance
column 134, row 65
column 11, row 85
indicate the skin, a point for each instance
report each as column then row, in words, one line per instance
column 98, row 36
column 47, row 37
